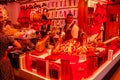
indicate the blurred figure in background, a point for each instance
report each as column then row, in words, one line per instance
column 6, row 71
column 8, row 24
column 45, row 28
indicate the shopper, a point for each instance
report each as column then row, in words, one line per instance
column 6, row 72
column 71, row 29
column 46, row 29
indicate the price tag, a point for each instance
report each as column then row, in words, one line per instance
column 110, row 54
column 82, row 57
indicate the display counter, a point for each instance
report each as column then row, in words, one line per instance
column 102, row 71
column 98, row 74
column 48, row 70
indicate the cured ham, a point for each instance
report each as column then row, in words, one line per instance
column 41, row 44
column 57, row 46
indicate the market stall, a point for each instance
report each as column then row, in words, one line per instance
column 69, row 68
column 50, row 57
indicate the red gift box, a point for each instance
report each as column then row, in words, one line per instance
column 79, row 71
column 53, row 57
column 66, row 70
column 71, row 58
column 41, row 67
column 92, row 63
column 54, row 71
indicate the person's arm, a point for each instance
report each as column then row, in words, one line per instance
column 17, row 44
column 14, row 43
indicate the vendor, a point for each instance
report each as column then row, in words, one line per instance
column 71, row 29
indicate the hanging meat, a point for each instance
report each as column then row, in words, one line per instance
column 99, row 18
column 24, row 16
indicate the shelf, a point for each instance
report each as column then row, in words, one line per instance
column 59, row 18
column 59, row 8
column 97, row 75
column 27, row 2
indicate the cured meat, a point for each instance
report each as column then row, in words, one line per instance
column 57, row 46
column 41, row 44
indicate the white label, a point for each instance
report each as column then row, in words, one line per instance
column 82, row 57
column 110, row 54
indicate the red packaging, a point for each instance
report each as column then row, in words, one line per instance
column 28, row 62
column 53, row 57
column 92, row 63
column 41, row 67
column 79, row 70
column 71, row 58
column 54, row 71
column 66, row 70
column 102, row 56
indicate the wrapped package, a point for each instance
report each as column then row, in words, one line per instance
column 41, row 67
column 54, row 71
